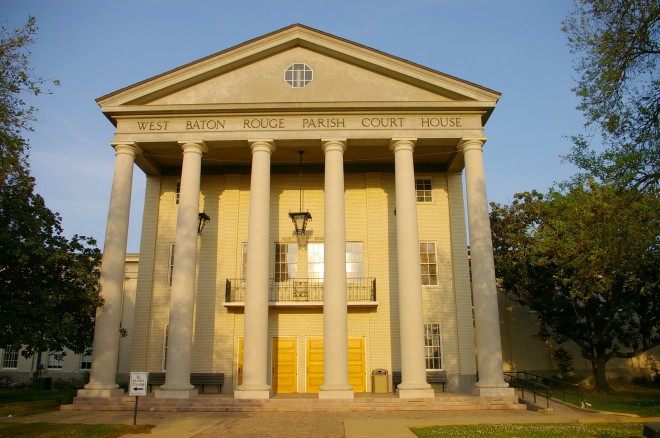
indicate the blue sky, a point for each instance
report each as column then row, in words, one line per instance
column 515, row 47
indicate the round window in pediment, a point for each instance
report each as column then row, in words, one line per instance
column 298, row 75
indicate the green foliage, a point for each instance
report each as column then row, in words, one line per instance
column 586, row 258
column 48, row 283
column 528, row 430
column 618, row 44
column 16, row 80
column 564, row 360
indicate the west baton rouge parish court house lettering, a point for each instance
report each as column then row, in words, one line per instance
column 374, row 152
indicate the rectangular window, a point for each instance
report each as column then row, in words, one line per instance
column 354, row 260
column 86, row 361
column 10, row 358
column 53, row 362
column 433, row 343
column 424, row 190
column 286, row 261
column 315, row 258
column 170, row 268
column 177, row 192
column 244, row 261
column 166, row 335
column 429, row 264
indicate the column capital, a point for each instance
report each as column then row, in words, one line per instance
column 402, row 143
column 328, row 144
column 192, row 145
column 469, row 143
column 262, row 144
column 126, row 147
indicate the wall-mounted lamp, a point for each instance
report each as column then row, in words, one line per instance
column 203, row 220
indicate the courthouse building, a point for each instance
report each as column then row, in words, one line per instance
column 369, row 150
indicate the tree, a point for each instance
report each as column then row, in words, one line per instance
column 48, row 284
column 586, row 258
column 618, row 44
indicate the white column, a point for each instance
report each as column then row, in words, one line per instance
column 108, row 317
column 335, row 321
column 486, row 314
column 182, row 298
column 255, row 336
column 411, row 315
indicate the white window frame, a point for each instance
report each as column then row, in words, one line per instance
column 166, row 340
column 316, row 267
column 355, row 260
column 424, row 192
column 286, row 262
column 170, row 266
column 244, row 247
column 52, row 363
column 177, row 192
column 428, row 259
column 9, row 357
column 431, row 348
column 86, row 359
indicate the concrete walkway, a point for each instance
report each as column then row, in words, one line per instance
column 318, row 424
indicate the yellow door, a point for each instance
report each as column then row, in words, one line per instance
column 240, row 361
column 285, row 363
column 356, row 366
column 314, row 364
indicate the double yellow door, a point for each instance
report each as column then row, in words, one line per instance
column 356, row 367
column 285, row 360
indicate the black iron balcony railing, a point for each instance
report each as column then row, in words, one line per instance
column 303, row 290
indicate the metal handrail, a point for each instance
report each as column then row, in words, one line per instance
column 303, row 290
column 545, row 386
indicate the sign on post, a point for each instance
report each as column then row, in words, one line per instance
column 138, row 384
column 137, row 387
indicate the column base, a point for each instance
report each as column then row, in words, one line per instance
column 342, row 392
column 100, row 393
column 492, row 391
column 415, row 390
column 252, row 394
column 176, row 393
column 415, row 393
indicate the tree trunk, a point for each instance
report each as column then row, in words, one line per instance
column 598, row 364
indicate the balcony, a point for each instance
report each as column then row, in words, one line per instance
column 303, row 292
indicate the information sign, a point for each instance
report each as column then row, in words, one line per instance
column 137, row 385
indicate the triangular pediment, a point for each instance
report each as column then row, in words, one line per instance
column 345, row 75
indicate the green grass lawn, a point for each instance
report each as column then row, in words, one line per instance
column 533, row 430
column 21, row 402
column 51, row 430
column 640, row 400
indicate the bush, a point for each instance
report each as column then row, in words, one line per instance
column 8, row 383
column 65, row 384
column 654, row 365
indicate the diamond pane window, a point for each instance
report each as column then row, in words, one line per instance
column 298, row 75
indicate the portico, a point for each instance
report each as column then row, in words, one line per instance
column 383, row 267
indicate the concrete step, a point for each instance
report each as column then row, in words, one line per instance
column 225, row 403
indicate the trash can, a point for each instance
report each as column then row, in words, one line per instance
column 379, row 381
